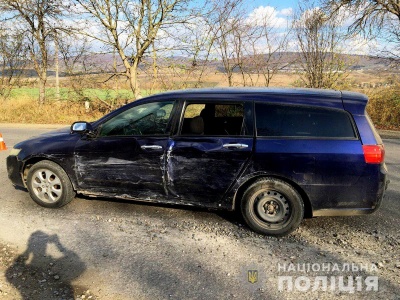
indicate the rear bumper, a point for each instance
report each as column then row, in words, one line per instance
column 377, row 201
column 14, row 170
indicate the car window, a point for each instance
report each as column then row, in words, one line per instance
column 146, row 119
column 295, row 121
column 229, row 110
column 214, row 119
column 193, row 110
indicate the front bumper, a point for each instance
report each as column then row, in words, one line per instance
column 14, row 170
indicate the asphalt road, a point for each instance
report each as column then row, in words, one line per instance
column 127, row 250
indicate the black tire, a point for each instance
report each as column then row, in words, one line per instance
column 272, row 207
column 49, row 185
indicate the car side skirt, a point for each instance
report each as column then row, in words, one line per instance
column 342, row 212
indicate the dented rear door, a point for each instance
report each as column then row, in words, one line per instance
column 202, row 168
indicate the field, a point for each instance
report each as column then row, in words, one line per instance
column 105, row 95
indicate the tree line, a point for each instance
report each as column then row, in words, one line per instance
column 36, row 32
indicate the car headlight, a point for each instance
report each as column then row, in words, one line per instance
column 14, row 151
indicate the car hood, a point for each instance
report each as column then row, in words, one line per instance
column 62, row 132
column 59, row 141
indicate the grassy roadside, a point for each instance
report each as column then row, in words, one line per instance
column 67, row 94
column 384, row 107
column 22, row 106
column 28, row 111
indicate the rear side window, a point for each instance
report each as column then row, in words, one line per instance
column 298, row 121
column 214, row 119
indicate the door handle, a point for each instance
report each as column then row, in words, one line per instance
column 151, row 147
column 235, row 146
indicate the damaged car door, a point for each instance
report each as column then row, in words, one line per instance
column 212, row 147
column 125, row 158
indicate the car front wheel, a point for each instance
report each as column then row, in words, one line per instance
column 273, row 207
column 49, row 185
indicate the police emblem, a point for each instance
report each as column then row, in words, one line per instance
column 252, row 276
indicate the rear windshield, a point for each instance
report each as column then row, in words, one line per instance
column 297, row 121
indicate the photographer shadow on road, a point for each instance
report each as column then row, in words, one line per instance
column 46, row 269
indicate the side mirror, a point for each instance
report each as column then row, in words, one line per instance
column 81, row 127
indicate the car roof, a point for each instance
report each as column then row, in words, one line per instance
column 260, row 91
column 352, row 101
column 300, row 96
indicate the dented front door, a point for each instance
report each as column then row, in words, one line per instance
column 128, row 167
column 127, row 157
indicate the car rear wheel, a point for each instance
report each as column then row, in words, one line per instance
column 49, row 185
column 273, row 207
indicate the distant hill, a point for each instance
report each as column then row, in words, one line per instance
column 355, row 62
column 103, row 63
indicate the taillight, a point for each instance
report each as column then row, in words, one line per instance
column 374, row 154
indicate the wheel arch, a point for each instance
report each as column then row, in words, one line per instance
column 34, row 160
column 308, row 210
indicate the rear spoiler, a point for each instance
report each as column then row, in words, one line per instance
column 354, row 102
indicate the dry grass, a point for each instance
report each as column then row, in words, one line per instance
column 25, row 110
column 384, row 107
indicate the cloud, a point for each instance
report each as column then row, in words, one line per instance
column 269, row 15
column 287, row 12
column 360, row 45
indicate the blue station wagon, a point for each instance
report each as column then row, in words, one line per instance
column 276, row 155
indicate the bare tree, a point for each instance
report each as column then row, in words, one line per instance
column 225, row 23
column 12, row 60
column 377, row 18
column 74, row 54
column 242, row 34
column 188, row 65
column 266, row 49
column 200, row 42
column 319, row 38
column 36, row 20
column 131, row 27
column 79, row 65
column 253, row 48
